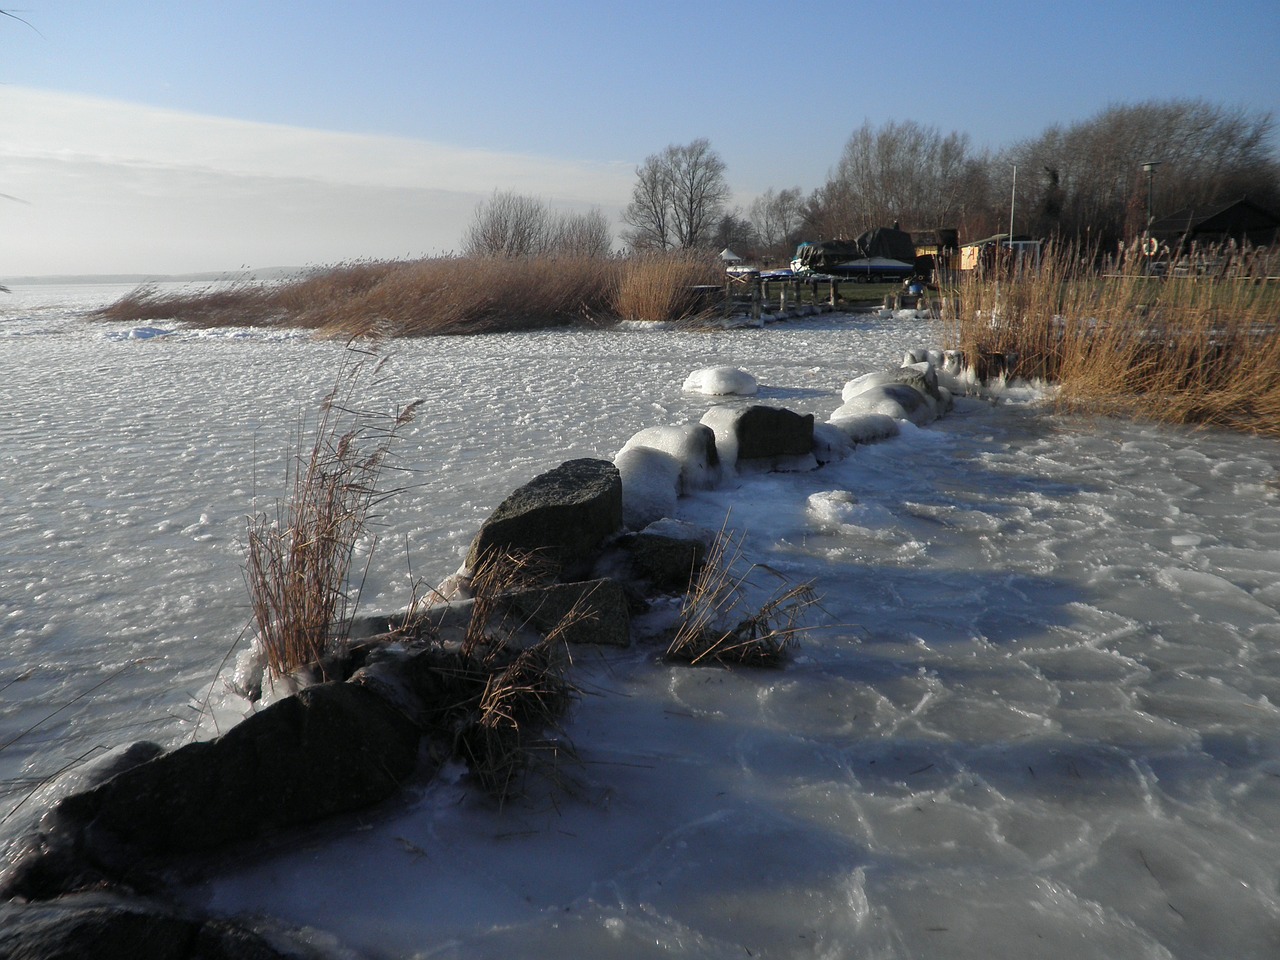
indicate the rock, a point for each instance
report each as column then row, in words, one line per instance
column 669, row 564
column 721, row 381
column 758, row 433
column 105, row 926
column 606, row 618
column 332, row 748
column 562, row 515
column 692, row 444
column 650, row 485
column 43, row 859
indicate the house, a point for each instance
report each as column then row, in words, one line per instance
column 1242, row 221
column 981, row 254
column 937, row 252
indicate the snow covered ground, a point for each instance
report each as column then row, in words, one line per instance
column 1038, row 717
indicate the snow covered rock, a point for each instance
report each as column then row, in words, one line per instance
column 721, row 381
column 650, row 485
column 563, row 514
column 896, row 400
column 692, row 444
column 760, row 433
column 865, row 427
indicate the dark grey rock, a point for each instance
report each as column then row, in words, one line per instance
column 773, row 432
column 606, row 618
column 331, row 748
column 563, row 515
column 669, row 564
column 105, row 926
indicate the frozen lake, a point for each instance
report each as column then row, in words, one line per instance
column 1038, row 717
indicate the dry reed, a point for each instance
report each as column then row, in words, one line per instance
column 660, row 287
column 442, row 295
column 1190, row 349
column 711, row 628
column 299, row 555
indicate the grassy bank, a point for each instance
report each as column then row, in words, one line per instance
column 443, row 295
column 1182, row 350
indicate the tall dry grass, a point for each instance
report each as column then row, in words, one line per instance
column 1195, row 349
column 442, row 295
column 298, row 567
column 660, row 287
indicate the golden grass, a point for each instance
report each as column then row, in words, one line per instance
column 659, row 287
column 442, row 295
column 1201, row 350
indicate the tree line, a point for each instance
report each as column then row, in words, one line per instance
column 1083, row 182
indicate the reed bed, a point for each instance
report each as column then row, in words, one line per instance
column 662, row 287
column 442, row 295
column 1196, row 349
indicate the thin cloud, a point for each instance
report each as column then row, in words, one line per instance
column 119, row 187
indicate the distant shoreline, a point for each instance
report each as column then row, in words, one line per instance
column 267, row 273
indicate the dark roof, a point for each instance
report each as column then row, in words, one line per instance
column 1239, row 220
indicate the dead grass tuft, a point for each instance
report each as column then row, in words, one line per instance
column 712, row 629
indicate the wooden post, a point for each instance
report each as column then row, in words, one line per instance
column 835, row 292
column 755, row 299
column 782, row 299
column 728, row 299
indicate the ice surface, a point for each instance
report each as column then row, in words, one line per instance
column 1036, row 715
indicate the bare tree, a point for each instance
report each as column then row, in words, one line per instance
column 678, row 198
column 1208, row 154
column 777, row 217
column 901, row 171
column 580, row 234
column 514, row 225
column 507, row 225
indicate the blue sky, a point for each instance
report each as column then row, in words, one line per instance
column 167, row 137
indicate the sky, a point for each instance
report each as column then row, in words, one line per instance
column 149, row 137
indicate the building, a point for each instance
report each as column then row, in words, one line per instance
column 982, row 254
column 1242, row 221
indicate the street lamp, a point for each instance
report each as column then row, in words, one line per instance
column 1149, row 168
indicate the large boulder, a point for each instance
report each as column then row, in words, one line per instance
column 332, row 748
column 760, row 433
column 562, row 515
